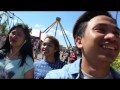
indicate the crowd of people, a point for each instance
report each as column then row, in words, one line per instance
column 96, row 36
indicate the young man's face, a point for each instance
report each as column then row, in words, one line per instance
column 101, row 40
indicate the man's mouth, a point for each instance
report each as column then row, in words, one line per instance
column 108, row 47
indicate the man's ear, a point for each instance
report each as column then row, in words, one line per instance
column 78, row 42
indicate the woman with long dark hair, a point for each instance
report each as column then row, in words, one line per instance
column 16, row 55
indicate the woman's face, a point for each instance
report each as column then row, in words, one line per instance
column 17, row 37
column 48, row 48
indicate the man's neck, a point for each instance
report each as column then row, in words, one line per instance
column 87, row 76
column 97, row 71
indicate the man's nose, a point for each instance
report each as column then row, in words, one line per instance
column 111, row 36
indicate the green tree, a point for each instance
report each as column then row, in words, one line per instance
column 3, row 28
column 116, row 64
column 25, row 25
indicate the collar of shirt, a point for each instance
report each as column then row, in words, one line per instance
column 74, row 70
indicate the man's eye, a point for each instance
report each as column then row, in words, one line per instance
column 49, row 45
column 117, row 34
column 101, row 30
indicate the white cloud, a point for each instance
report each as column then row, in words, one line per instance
column 14, row 21
column 35, row 32
column 71, row 35
column 43, row 35
column 37, row 26
column 59, row 32
column 67, row 32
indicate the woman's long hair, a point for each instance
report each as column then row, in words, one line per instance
column 26, row 49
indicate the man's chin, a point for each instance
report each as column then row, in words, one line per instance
column 107, row 59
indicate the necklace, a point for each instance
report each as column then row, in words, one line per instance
column 12, row 56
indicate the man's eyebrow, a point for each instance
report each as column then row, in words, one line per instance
column 102, row 24
column 47, row 43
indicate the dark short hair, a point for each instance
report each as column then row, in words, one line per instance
column 81, row 23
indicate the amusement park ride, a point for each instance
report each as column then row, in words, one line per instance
column 7, row 20
column 57, row 22
column 62, row 29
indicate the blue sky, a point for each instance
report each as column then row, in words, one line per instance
column 40, row 20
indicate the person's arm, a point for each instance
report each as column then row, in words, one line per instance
column 52, row 75
column 29, row 74
column 29, row 68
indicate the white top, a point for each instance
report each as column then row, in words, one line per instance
column 10, row 69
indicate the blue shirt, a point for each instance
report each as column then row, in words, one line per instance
column 71, row 71
column 42, row 67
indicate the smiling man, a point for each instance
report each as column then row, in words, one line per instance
column 98, row 39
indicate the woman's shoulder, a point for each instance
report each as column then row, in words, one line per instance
column 39, row 61
column 58, row 60
column 29, row 59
